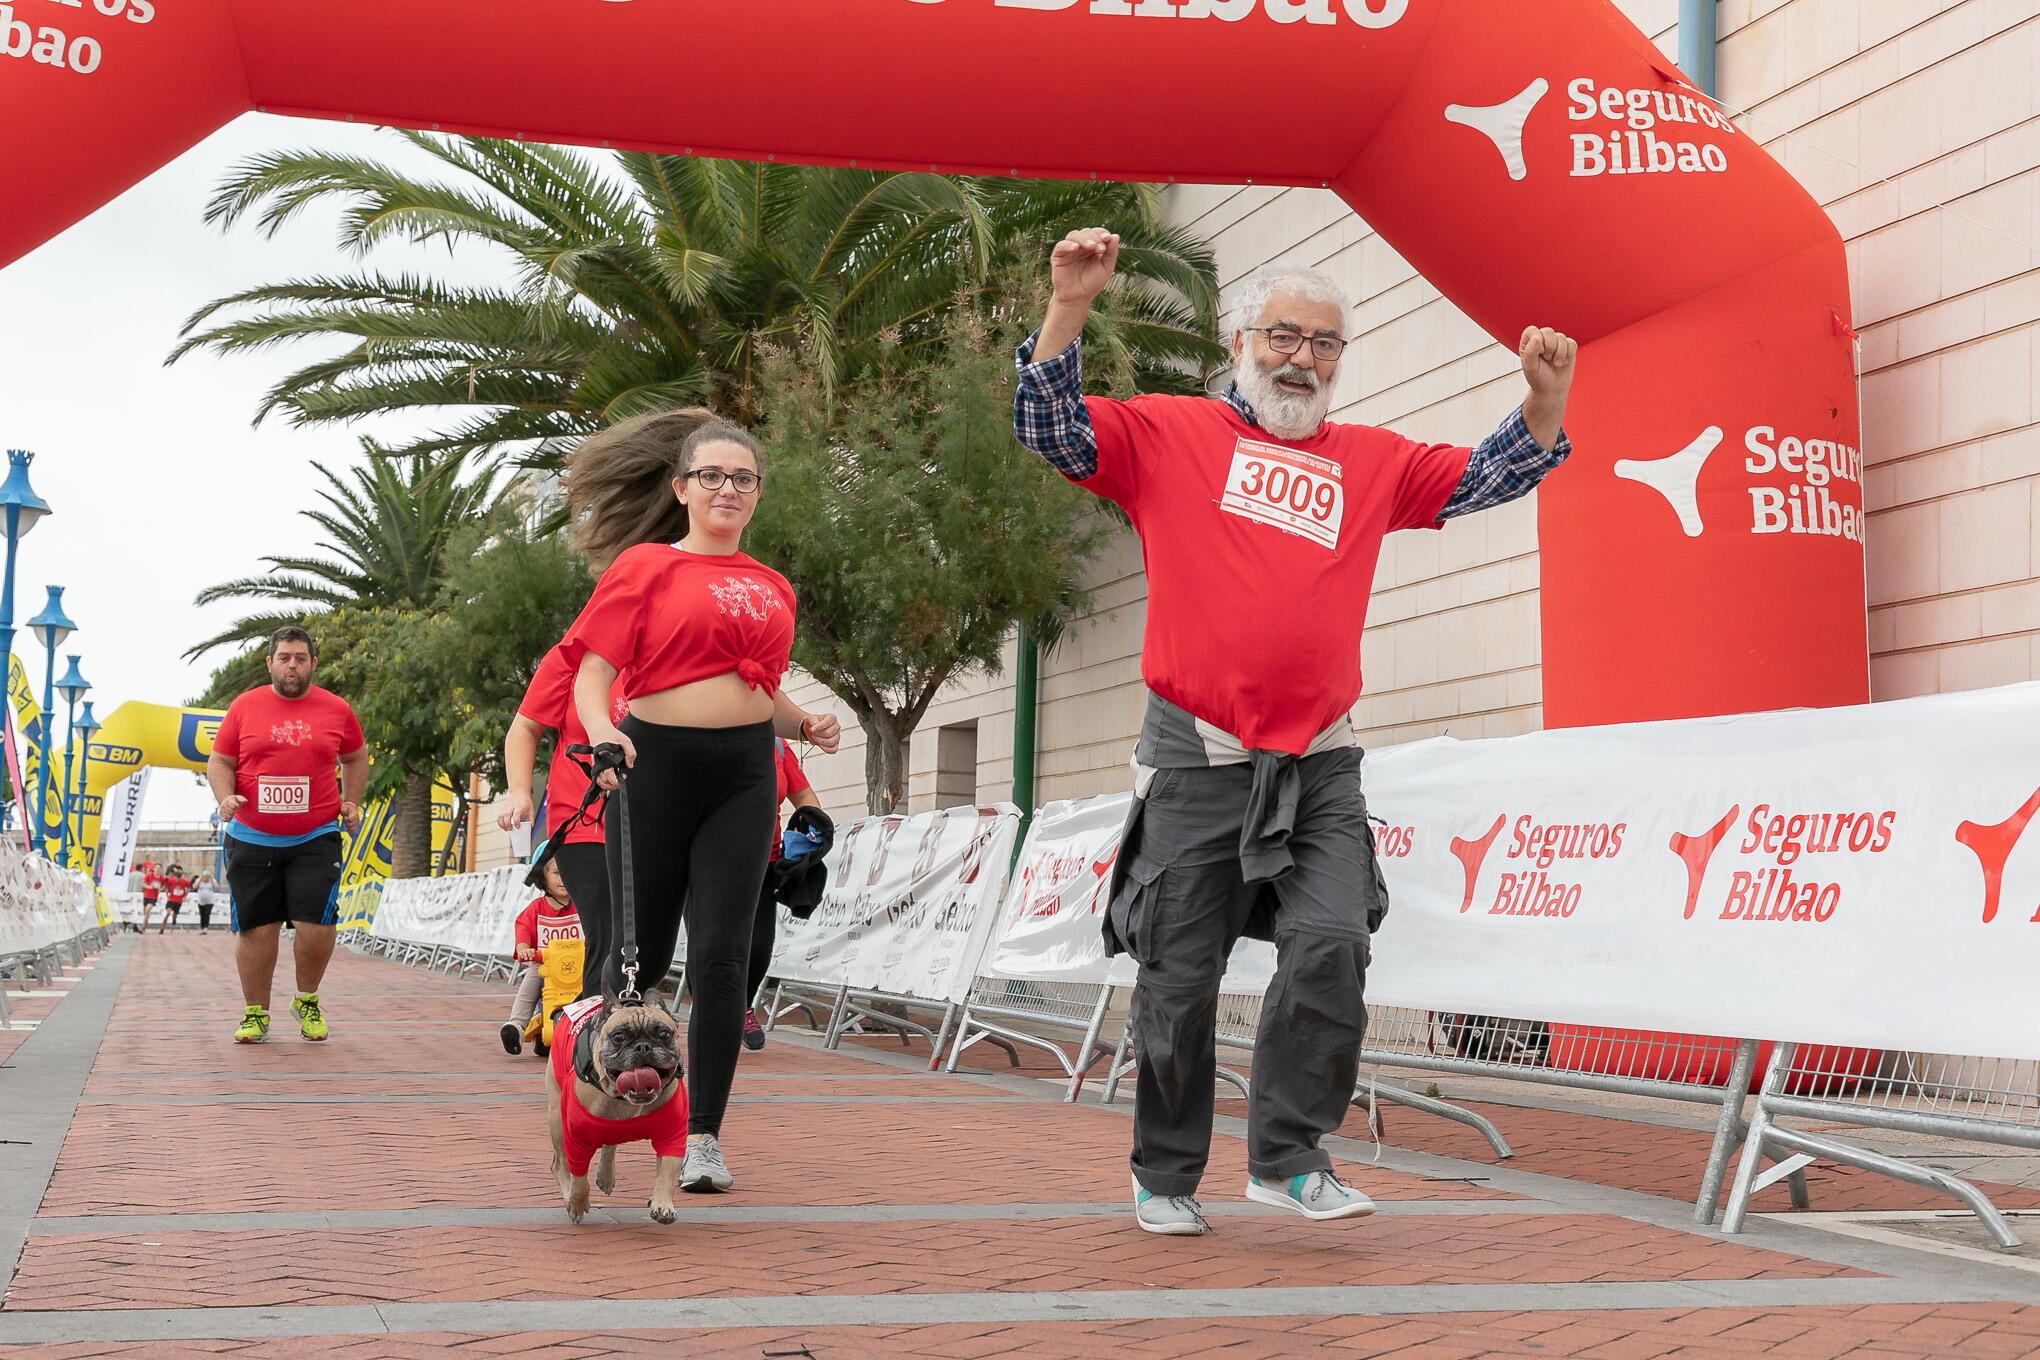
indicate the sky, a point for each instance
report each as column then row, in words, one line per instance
column 158, row 483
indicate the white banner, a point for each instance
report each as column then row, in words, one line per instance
column 474, row 913
column 1863, row 876
column 1848, row 876
column 910, row 905
column 40, row 904
column 1052, row 923
column 123, row 819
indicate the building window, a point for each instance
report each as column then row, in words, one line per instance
column 956, row 760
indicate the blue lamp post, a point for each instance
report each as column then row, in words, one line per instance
column 20, row 508
column 72, row 687
column 85, row 727
column 51, row 627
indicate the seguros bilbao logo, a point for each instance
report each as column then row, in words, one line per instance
column 1814, row 469
column 1672, row 129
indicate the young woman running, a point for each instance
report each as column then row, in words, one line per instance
column 703, row 633
column 617, row 482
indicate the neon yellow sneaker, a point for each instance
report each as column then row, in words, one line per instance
column 254, row 1026
column 311, row 1023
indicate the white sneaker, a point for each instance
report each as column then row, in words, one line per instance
column 1170, row 1215
column 703, row 1172
column 1316, row 1194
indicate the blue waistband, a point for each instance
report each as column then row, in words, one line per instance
column 241, row 832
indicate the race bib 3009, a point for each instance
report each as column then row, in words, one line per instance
column 281, row 795
column 1296, row 492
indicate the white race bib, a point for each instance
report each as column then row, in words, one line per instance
column 281, row 795
column 1296, row 492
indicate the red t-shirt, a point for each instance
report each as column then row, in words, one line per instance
column 152, row 883
column 545, row 921
column 549, row 702
column 1260, row 554
column 791, row 780
column 178, row 888
column 582, row 1133
column 284, row 752
column 672, row 617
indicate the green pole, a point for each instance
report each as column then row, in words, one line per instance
column 1026, row 696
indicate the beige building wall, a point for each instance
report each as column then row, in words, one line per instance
column 1913, row 122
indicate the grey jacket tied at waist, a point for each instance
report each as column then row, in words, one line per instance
column 1271, row 816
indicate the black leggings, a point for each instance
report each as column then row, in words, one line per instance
column 701, row 803
column 584, row 868
column 764, row 930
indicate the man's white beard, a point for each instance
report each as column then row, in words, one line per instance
column 1286, row 415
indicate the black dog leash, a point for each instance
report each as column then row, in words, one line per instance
column 602, row 759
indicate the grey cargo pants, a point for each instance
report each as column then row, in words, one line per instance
column 1180, row 907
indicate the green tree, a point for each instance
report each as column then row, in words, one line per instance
column 916, row 533
column 644, row 282
column 849, row 313
column 393, row 530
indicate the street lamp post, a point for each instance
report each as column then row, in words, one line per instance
column 51, row 627
column 86, row 727
column 22, row 508
column 72, row 687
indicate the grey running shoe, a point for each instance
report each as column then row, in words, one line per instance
column 1170, row 1215
column 1317, row 1194
column 703, row 1172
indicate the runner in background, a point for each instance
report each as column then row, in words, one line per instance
column 152, row 888
column 795, row 789
column 547, row 940
column 281, row 809
column 548, row 706
column 205, row 895
column 176, row 887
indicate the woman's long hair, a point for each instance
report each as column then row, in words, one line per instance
column 618, row 483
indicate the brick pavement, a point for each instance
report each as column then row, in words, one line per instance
column 291, row 1199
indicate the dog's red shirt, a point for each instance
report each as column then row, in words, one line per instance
column 582, row 1134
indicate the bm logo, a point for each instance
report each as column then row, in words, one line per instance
column 195, row 733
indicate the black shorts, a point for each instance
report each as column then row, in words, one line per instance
column 174, row 907
column 273, row 883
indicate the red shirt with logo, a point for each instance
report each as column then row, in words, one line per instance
column 152, row 884
column 672, row 617
column 545, row 922
column 1260, row 554
column 284, row 753
column 178, row 889
column 584, row 1134
column 549, row 702
column 791, row 779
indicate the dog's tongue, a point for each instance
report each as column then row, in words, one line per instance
column 638, row 1081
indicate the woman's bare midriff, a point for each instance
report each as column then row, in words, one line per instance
column 720, row 701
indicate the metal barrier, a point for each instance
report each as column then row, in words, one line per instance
column 1010, row 1011
column 1985, row 1100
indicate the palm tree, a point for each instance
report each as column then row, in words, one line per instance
column 645, row 281
column 394, row 530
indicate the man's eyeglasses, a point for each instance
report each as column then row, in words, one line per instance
column 711, row 479
column 1288, row 340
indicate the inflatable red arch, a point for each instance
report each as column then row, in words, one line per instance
column 1539, row 163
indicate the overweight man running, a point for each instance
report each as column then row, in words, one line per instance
column 1260, row 523
column 272, row 770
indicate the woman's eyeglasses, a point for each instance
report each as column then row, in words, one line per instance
column 711, row 479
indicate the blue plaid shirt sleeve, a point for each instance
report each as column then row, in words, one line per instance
column 1507, row 465
column 1048, row 410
